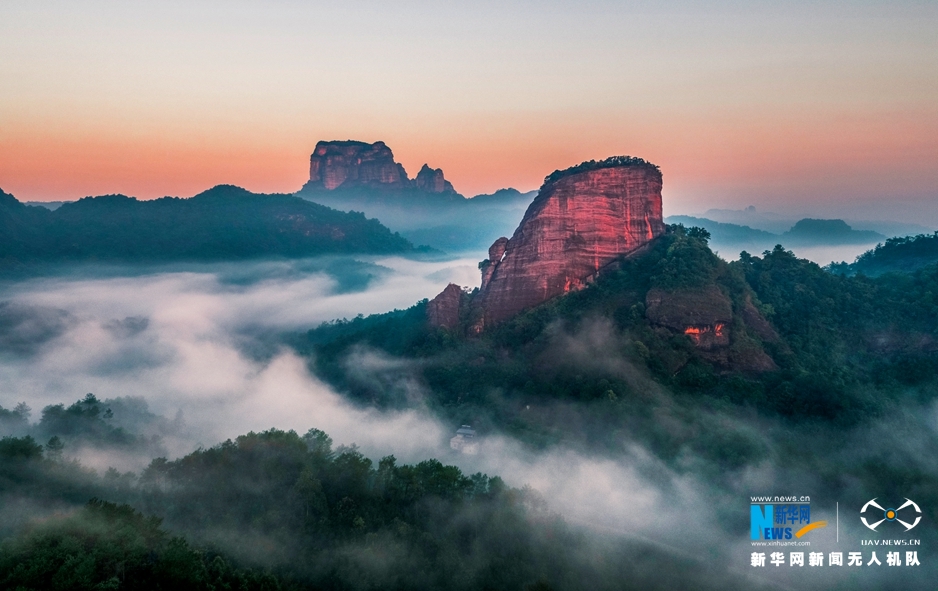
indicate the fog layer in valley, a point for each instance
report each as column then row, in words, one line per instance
column 195, row 342
column 200, row 346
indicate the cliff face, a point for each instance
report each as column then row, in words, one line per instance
column 582, row 219
column 350, row 164
column 443, row 310
column 496, row 253
column 431, row 180
column 704, row 315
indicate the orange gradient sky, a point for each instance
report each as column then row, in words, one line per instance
column 793, row 107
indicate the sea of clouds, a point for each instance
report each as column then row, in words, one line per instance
column 198, row 343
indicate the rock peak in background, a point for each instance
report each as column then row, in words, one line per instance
column 353, row 164
column 431, row 180
column 350, row 163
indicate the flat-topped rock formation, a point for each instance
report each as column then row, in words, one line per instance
column 582, row 219
column 350, row 164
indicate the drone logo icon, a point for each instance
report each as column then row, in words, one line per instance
column 890, row 514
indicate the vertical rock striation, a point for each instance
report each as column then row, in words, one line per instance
column 431, row 180
column 351, row 164
column 583, row 218
column 355, row 164
column 443, row 310
column 496, row 253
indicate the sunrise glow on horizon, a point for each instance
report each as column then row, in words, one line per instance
column 785, row 106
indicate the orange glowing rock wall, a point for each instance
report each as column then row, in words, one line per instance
column 578, row 223
column 703, row 314
column 703, row 335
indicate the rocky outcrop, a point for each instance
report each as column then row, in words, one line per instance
column 350, row 164
column 443, row 310
column 703, row 314
column 355, row 164
column 431, row 180
column 582, row 219
column 496, row 253
column 583, row 222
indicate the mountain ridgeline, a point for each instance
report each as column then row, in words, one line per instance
column 676, row 382
column 660, row 309
column 731, row 238
column 223, row 223
column 358, row 176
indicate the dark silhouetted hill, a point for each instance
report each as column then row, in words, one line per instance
column 223, row 223
column 812, row 231
column 445, row 220
column 896, row 255
column 734, row 235
column 728, row 239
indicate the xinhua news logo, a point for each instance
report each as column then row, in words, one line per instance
column 781, row 518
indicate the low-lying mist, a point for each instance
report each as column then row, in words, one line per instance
column 200, row 349
column 203, row 343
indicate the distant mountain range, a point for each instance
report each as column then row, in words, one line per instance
column 779, row 223
column 723, row 233
column 727, row 238
column 50, row 205
column 223, row 223
column 353, row 176
column 357, row 176
column 448, row 222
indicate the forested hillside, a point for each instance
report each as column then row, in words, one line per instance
column 828, row 336
column 819, row 356
column 223, row 223
column 896, row 255
column 275, row 510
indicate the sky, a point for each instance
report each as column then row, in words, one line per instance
column 825, row 109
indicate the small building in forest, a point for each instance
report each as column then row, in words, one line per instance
column 465, row 440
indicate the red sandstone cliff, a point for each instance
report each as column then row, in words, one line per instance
column 581, row 222
column 582, row 219
column 443, row 310
column 350, row 164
